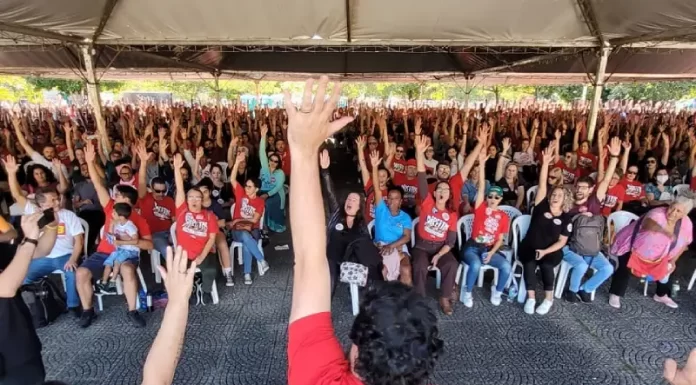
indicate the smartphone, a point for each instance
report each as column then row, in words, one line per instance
column 48, row 217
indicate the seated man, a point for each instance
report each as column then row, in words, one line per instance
column 67, row 229
column 93, row 267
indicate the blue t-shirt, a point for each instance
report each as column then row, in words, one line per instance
column 389, row 228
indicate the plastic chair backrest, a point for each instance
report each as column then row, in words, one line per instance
column 370, row 227
column 512, row 213
column 414, row 225
column 172, row 233
column 680, row 189
column 531, row 194
column 85, row 226
column 467, row 221
column 617, row 221
column 520, row 226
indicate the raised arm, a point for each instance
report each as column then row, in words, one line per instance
column 12, row 277
column 364, row 172
column 421, row 146
column 91, row 158
column 180, row 195
column 547, row 157
column 665, row 149
column 12, row 167
column 63, row 185
column 624, row 159
column 614, row 152
column 16, row 123
column 235, row 169
column 263, row 155
column 481, row 137
column 311, row 292
column 325, row 162
column 481, row 179
column 142, row 171
column 69, row 140
column 374, row 161
column 503, row 160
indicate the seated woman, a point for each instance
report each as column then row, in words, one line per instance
column 39, row 176
column 392, row 230
column 659, row 191
column 490, row 227
column 347, row 235
column 663, row 234
column 436, row 234
column 272, row 186
column 471, row 187
column 246, row 220
column 508, row 181
column 548, row 232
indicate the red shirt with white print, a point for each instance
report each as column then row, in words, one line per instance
column 615, row 195
column 456, row 185
column 370, row 200
column 399, row 166
column 570, row 175
column 434, row 224
column 158, row 214
column 139, row 222
column 194, row 229
column 245, row 207
column 634, row 190
column 587, row 162
column 489, row 224
column 410, row 187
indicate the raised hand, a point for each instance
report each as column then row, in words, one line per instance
column 264, row 130
column 90, row 154
column 241, row 157
column 626, row 145
column 614, row 146
column 178, row 279
column 178, row 162
column 309, row 125
column 324, row 159
column 199, row 153
column 11, row 165
column 684, row 376
column 482, row 135
column 375, row 159
column 360, row 143
column 548, row 153
column 57, row 164
column 421, row 144
column 30, row 225
column 417, row 125
column 141, row 150
column 506, row 145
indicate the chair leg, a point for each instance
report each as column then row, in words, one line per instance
column 62, row 278
column 522, row 293
column 562, row 279
column 645, row 288
column 240, row 260
column 155, row 261
column 214, row 294
column 495, row 277
column 438, row 279
column 479, row 279
column 100, row 304
column 119, row 286
column 693, row 279
column 355, row 298
column 143, row 285
column 459, row 274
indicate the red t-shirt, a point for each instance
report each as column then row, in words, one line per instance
column 614, row 196
column 434, row 224
column 285, row 159
column 456, row 184
column 139, row 222
column 587, row 162
column 370, row 201
column 634, row 190
column 489, row 224
column 194, row 229
column 158, row 214
column 245, row 208
column 410, row 187
column 569, row 175
column 692, row 185
column 315, row 356
column 399, row 166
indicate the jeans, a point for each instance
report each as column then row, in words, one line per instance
column 42, row 267
column 160, row 241
column 250, row 247
column 580, row 264
column 472, row 256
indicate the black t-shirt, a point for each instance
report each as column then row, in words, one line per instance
column 222, row 194
column 19, row 344
column 547, row 229
column 509, row 192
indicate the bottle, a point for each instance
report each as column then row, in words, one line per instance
column 512, row 293
column 675, row 289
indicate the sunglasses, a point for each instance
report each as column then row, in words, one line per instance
column 631, row 172
column 372, row 143
column 160, row 191
column 399, row 151
column 273, row 160
column 494, row 196
column 652, row 161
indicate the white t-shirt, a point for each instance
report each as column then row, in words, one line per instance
column 69, row 226
column 128, row 229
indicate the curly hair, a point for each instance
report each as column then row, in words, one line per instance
column 396, row 335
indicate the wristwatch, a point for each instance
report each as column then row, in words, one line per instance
column 30, row 240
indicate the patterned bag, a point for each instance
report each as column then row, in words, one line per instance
column 650, row 252
column 352, row 272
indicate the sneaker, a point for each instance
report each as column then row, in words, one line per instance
column 529, row 306
column 247, row 279
column 229, row 282
column 666, row 300
column 570, row 296
column 585, row 296
column 263, row 267
column 136, row 319
column 206, row 299
column 544, row 307
column 468, row 299
column 496, row 297
column 615, row 301
column 86, row 318
column 75, row 311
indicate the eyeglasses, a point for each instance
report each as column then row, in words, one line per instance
column 195, row 198
column 160, row 191
column 494, row 196
column 652, row 161
column 273, row 160
column 372, row 143
column 399, row 151
column 629, row 172
column 443, row 189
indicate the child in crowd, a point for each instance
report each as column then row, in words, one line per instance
column 123, row 234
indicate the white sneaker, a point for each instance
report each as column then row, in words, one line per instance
column 229, row 281
column 468, row 299
column 666, row 300
column 615, row 301
column 544, row 307
column 529, row 306
column 496, row 297
column 263, row 268
column 247, row 279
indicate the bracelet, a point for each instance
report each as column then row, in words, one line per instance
column 51, row 227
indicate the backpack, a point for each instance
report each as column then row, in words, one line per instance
column 44, row 300
column 586, row 239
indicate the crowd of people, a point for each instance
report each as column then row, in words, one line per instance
column 202, row 178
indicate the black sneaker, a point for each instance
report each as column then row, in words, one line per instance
column 571, row 297
column 86, row 318
column 207, row 299
column 136, row 319
column 106, row 288
column 585, row 296
column 75, row 311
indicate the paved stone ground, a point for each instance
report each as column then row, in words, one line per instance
column 243, row 339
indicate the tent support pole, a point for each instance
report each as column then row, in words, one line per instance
column 93, row 95
column 597, row 94
column 217, row 89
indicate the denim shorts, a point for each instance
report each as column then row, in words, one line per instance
column 95, row 264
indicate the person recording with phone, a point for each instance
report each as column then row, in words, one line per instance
column 62, row 232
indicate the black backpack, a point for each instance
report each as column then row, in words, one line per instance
column 45, row 301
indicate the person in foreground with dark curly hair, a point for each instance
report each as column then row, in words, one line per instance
column 395, row 336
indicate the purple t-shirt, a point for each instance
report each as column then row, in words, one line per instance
column 591, row 205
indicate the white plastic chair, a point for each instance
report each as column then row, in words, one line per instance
column 531, row 195
column 680, row 189
column 370, row 227
column 617, row 221
column 237, row 246
column 119, row 285
column 214, row 292
column 438, row 273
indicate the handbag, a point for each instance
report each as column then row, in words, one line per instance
column 353, row 273
column 642, row 264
